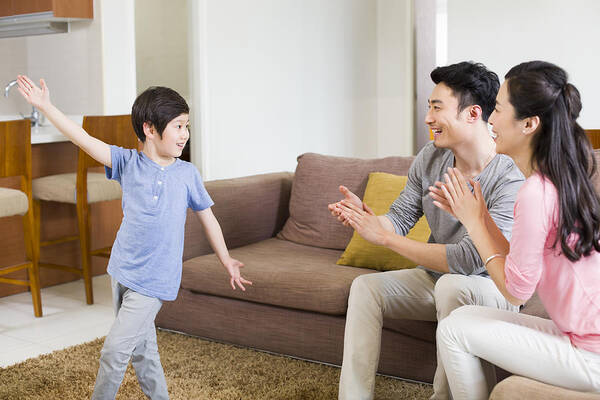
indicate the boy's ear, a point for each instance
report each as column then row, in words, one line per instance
column 149, row 130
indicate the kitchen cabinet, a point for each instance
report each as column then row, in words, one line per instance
column 58, row 8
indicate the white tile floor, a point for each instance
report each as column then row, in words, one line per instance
column 67, row 320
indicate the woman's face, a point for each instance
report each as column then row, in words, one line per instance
column 509, row 131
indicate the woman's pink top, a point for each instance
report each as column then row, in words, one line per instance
column 570, row 291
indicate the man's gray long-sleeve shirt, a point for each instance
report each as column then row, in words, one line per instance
column 500, row 181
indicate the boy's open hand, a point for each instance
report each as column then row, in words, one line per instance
column 37, row 97
column 233, row 267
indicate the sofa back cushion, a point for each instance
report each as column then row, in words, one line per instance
column 249, row 209
column 316, row 184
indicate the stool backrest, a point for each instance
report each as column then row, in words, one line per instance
column 111, row 129
column 15, row 151
column 594, row 136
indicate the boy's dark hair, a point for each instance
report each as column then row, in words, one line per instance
column 157, row 105
column 471, row 83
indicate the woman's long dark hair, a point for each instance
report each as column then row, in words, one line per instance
column 561, row 150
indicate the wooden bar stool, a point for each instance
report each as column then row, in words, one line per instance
column 15, row 161
column 594, row 136
column 84, row 188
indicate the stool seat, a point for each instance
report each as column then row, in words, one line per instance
column 62, row 188
column 13, row 202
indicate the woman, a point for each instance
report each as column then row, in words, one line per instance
column 554, row 247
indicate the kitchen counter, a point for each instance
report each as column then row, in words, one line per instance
column 46, row 133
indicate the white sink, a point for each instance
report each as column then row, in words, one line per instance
column 46, row 133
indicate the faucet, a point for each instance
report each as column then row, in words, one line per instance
column 35, row 114
column 9, row 86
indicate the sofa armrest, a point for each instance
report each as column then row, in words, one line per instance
column 518, row 387
column 249, row 209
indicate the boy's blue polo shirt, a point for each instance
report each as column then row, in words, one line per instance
column 147, row 253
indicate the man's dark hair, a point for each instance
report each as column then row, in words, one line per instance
column 471, row 83
column 157, row 105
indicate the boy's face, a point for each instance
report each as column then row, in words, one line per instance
column 444, row 120
column 175, row 136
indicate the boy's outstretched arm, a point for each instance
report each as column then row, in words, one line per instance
column 40, row 98
column 217, row 242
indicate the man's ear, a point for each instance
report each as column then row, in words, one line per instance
column 149, row 130
column 474, row 113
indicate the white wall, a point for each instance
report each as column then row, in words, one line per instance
column 69, row 62
column 14, row 61
column 283, row 77
column 118, row 56
column 501, row 34
column 272, row 79
column 90, row 70
column 395, row 78
column 162, row 48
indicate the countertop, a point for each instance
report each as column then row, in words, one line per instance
column 46, row 133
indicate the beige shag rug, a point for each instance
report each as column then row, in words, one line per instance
column 195, row 369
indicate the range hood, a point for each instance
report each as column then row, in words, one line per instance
column 40, row 23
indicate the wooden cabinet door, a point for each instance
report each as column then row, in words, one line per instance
column 60, row 8
column 74, row 8
column 5, row 8
column 30, row 6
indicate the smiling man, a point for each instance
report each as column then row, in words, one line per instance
column 451, row 273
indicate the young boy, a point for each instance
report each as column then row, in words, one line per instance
column 145, row 263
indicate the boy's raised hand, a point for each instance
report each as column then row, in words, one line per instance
column 233, row 267
column 38, row 97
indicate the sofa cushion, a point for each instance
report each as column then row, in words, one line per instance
column 283, row 273
column 249, row 209
column 535, row 307
column 422, row 330
column 382, row 189
column 316, row 184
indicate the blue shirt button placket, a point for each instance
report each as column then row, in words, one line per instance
column 160, row 179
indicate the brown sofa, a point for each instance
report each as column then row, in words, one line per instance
column 298, row 302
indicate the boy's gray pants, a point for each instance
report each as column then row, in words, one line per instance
column 132, row 336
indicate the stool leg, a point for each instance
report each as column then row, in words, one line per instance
column 84, row 243
column 37, row 217
column 31, row 246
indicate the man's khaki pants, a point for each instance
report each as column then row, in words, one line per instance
column 406, row 294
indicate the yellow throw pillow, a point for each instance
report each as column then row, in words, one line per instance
column 382, row 189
